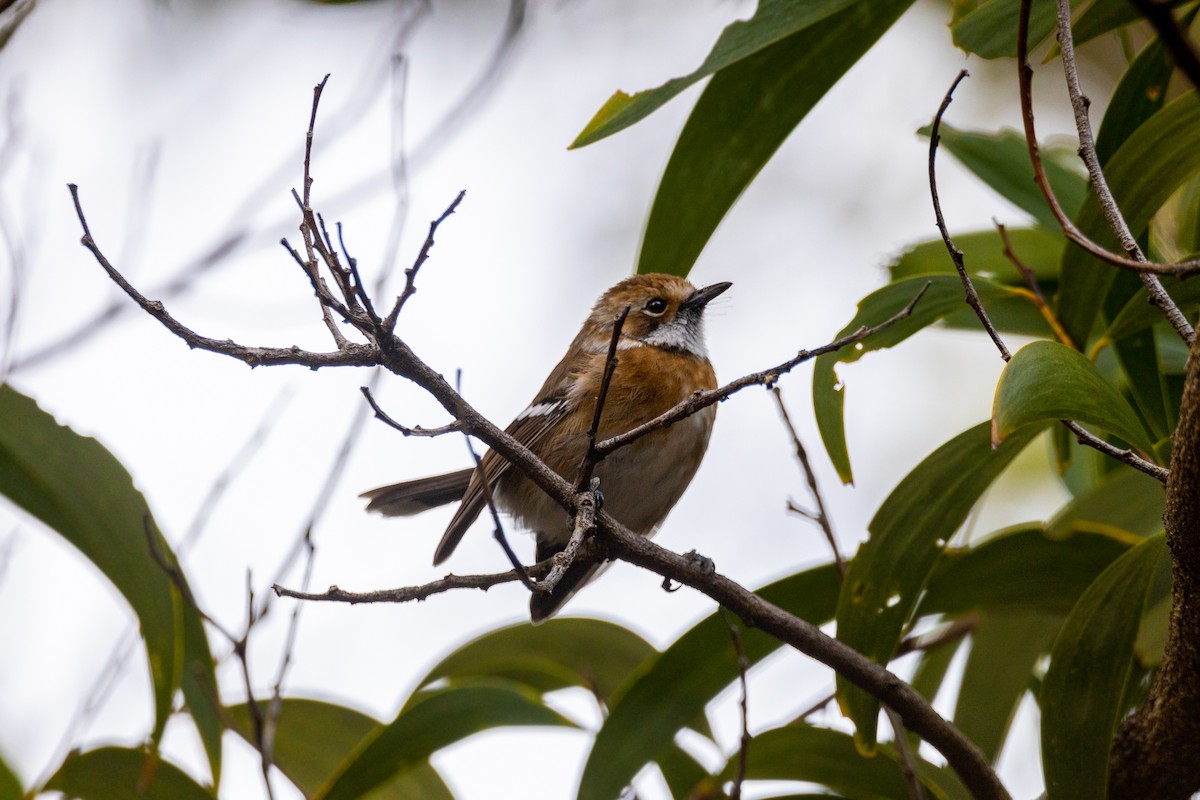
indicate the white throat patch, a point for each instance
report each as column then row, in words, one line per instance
column 679, row 334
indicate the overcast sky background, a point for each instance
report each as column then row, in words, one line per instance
column 183, row 121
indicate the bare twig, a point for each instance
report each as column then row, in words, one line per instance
column 908, row 761
column 821, row 517
column 1108, row 204
column 956, row 255
column 410, row 274
column 768, row 378
column 583, row 475
column 383, row 416
column 1025, row 81
column 584, row 524
column 735, row 634
column 1039, row 299
column 1126, row 456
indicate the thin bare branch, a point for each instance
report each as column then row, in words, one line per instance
column 410, row 274
column 908, row 761
column 821, row 517
column 768, row 378
column 1173, row 37
column 735, row 634
column 1039, row 299
column 583, row 475
column 956, row 255
column 383, row 416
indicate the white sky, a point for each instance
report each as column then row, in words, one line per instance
column 215, row 96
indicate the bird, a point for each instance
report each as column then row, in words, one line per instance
column 661, row 360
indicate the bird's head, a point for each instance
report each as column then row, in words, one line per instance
column 664, row 311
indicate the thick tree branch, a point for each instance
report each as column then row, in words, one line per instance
column 1157, row 749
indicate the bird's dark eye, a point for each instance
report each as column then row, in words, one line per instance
column 656, row 306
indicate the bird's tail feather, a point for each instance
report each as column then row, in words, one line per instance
column 413, row 497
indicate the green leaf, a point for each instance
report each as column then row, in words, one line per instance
column 1004, row 651
column 744, row 114
column 1048, row 381
column 673, row 689
column 1154, row 161
column 907, row 534
column 990, row 31
column 1089, row 666
column 119, row 773
column 800, row 752
column 1038, row 248
column 685, row 776
column 1108, row 15
column 313, row 738
column 596, row 655
column 943, row 297
column 1001, row 160
column 430, row 721
column 1138, row 315
column 1127, row 504
column 77, row 488
column 1141, row 91
column 774, row 20
column 1020, row 571
column 10, row 784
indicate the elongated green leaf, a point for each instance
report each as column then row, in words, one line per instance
column 800, row 752
column 1047, row 381
column 1150, row 165
column 1001, row 160
column 943, row 297
column 1082, row 693
column 907, row 534
column 1020, row 571
column 990, row 31
column 1038, row 248
column 1141, row 92
column 744, row 114
column 674, row 688
column 10, row 785
column 313, row 738
column 1127, row 504
column 119, row 773
column 1004, row 650
column 774, row 20
column 77, row 488
column 930, row 672
column 590, row 653
column 432, row 720
column 1138, row 315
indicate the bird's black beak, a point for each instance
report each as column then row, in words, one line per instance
column 701, row 297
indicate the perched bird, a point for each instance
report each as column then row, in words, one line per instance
column 661, row 360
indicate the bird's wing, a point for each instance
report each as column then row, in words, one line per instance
column 530, row 426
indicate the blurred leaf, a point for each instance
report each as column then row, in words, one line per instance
column 744, row 114
column 1039, row 249
column 990, row 31
column 76, row 487
column 1019, row 571
column 1150, row 165
column 683, row 773
column 1004, row 650
column 931, row 669
column 596, row 655
column 1082, row 692
column 1015, row 314
column 1128, row 502
column 907, row 535
column 1141, row 91
column 1108, row 15
column 944, row 296
column 10, row 785
column 313, row 738
column 1048, row 381
column 1001, row 160
column 1152, row 634
column 774, row 20
column 800, row 752
column 674, row 688
column 430, row 721
column 1138, row 315
column 119, row 773
column 1138, row 356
